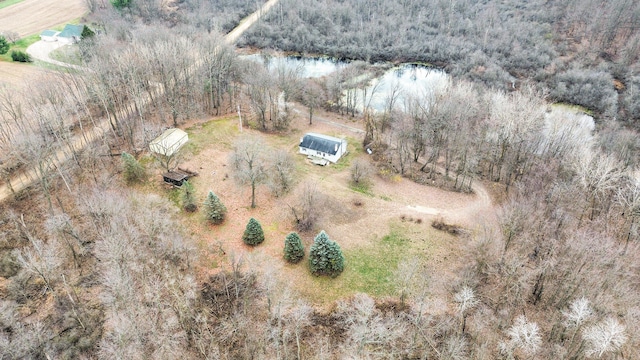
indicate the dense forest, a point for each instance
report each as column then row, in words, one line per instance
column 575, row 50
column 94, row 267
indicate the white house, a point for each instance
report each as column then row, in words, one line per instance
column 169, row 142
column 49, row 35
column 323, row 146
column 71, row 34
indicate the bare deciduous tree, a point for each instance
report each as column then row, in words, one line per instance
column 249, row 163
column 607, row 336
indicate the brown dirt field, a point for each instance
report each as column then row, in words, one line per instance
column 17, row 76
column 33, row 16
column 353, row 226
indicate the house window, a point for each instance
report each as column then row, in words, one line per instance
column 319, row 153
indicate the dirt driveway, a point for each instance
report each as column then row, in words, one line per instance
column 33, row 16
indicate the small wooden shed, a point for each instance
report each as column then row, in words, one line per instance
column 175, row 177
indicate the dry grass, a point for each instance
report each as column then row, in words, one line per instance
column 367, row 227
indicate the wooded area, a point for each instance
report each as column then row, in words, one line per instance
column 93, row 268
column 572, row 49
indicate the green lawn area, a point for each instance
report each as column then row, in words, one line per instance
column 220, row 131
column 20, row 45
column 6, row 3
column 67, row 54
column 372, row 269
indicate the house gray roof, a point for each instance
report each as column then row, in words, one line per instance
column 71, row 31
column 319, row 142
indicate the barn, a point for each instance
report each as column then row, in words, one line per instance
column 322, row 146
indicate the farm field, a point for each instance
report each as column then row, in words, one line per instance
column 15, row 75
column 32, row 16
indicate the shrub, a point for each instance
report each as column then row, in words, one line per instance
column 293, row 248
column 133, row 170
column 188, row 197
column 20, row 56
column 215, row 211
column 325, row 256
column 253, row 234
column 361, row 171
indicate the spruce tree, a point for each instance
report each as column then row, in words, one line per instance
column 215, row 211
column 325, row 256
column 293, row 248
column 87, row 33
column 253, row 234
column 133, row 170
column 4, row 45
column 188, row 197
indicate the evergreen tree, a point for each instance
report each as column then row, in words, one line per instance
column 325, row 256
column 293, row 248
column 133, row 170
column 4, row 45
column 214, row 209
column 120, row 4
column 87, row 33
column 253, row 234
column 188, row 197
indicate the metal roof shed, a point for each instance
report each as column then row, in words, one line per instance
column 169, row 142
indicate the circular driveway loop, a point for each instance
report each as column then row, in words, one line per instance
column 40, row 50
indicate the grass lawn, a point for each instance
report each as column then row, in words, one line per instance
column 6, row 3
column 67, row 54
column 217, row 132
column 372, row 269
column 20, row 45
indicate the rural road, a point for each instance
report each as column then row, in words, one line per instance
column 28, row 177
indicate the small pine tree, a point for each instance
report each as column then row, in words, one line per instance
column 188, row 197
column 253, row 234
column 87, row 33
column 4, row 45
column 293, row 248
column 133, row 170
column 214, row 209
column 325, row 256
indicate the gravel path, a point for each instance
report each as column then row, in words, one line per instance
column 41, row 49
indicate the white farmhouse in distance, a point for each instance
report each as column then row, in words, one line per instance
column 322, row 146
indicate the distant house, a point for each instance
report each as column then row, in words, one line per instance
column 49, row 35
column 70, row 34
column 323, row 146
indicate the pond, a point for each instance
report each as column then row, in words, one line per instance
column 401, row 82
